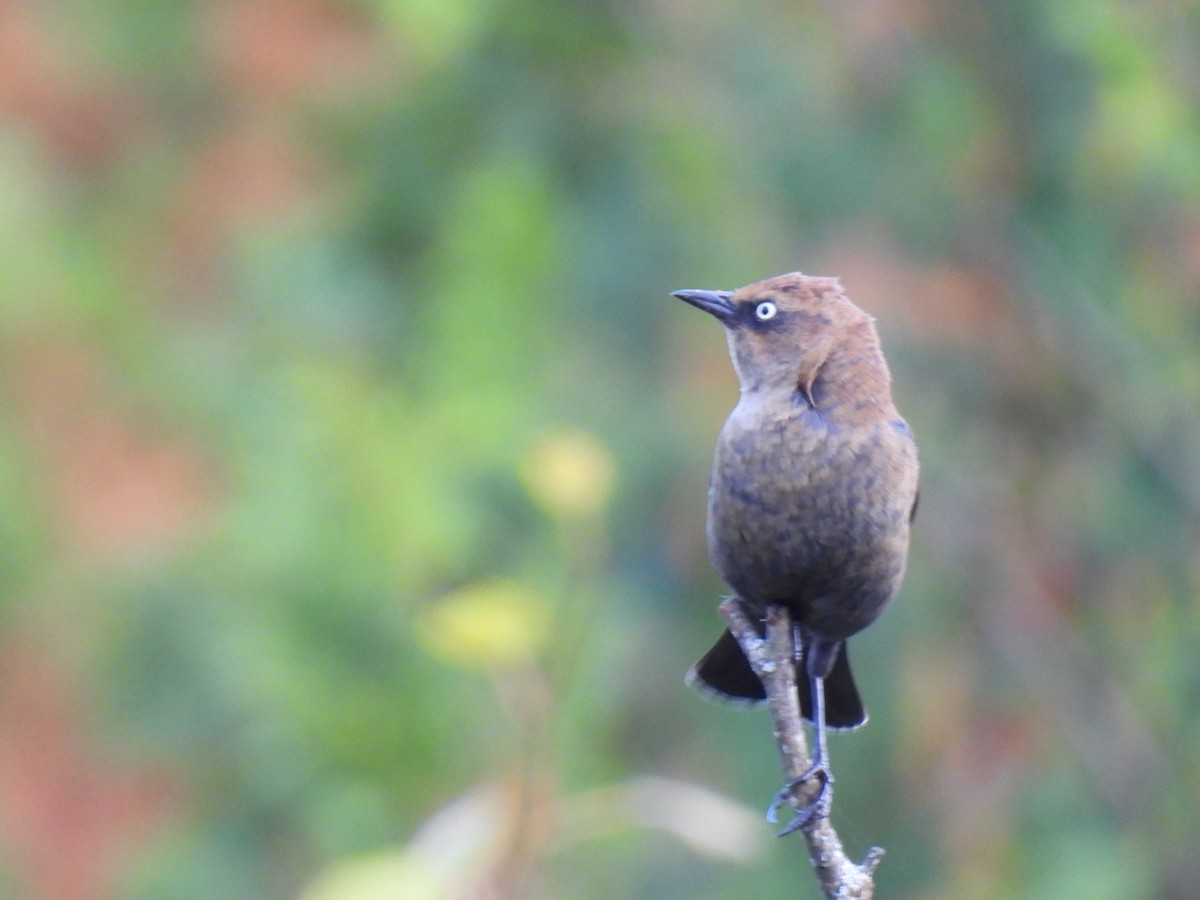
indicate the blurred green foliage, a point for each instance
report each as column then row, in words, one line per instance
column 353, row 456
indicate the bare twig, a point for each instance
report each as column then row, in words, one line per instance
column 772, row 658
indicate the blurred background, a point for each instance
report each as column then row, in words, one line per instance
column 353, row 455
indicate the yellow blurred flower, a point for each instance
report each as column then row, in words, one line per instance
column 570, row 474
column 489, row 624
column 381, row 877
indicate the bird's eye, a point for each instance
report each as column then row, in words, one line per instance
column 765, row 311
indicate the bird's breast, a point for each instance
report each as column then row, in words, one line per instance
column 800, row 507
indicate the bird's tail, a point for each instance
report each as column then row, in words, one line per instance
column 725, row 672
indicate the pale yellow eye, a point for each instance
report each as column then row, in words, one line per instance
column 765, row 311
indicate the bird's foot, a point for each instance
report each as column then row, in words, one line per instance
column 817, row 800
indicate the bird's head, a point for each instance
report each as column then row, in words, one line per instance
column 782, row 330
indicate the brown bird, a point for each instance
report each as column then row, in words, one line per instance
column 813, row 488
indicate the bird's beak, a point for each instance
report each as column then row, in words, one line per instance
column 715, row 302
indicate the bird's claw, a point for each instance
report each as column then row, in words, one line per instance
column 816, row 808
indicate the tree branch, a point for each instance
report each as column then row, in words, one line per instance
column 773, row 659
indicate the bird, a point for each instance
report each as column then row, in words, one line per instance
column 813, row 490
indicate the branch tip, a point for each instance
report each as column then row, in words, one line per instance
column 773, row 658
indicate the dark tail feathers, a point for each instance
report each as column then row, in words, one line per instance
column 724, row 671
